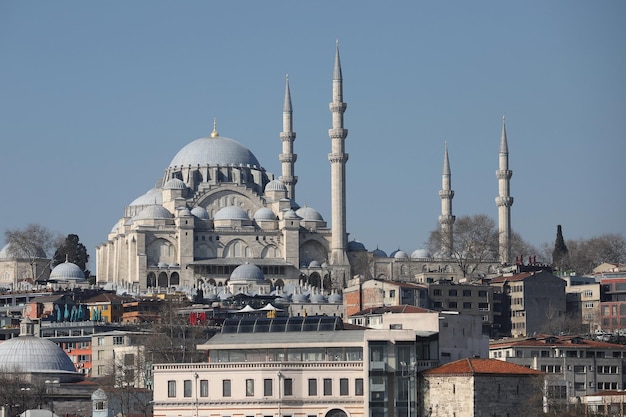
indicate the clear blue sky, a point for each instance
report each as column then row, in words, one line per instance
column 97, row 97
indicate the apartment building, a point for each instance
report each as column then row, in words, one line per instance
column 295, row 366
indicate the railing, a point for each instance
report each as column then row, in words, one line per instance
column 256, row 365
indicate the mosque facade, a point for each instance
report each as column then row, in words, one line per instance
column 216, row 208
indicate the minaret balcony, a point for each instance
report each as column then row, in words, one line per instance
column 337, row 107
column 504, row 201
column 504, row 174
column 287, row 136
column 338, row 133
column 446, row 194
column 288, row 157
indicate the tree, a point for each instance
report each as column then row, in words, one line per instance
column 474, row 241
column 520, row 248
column 31, row 243
column 586, row 254
column 73, row 251
column 560, row 258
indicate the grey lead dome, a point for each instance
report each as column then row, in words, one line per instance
column 213, row 151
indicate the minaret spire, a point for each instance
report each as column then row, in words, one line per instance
column 288, row 136
column 504, row 201
column 446, row 219
column 338, row 159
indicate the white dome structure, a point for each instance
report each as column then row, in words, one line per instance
column 174, row 184
column 247, row 272
column 264, row 214
column 154, row 212
column 200, row 212
column 231, row 213
column 214, row 151
column 309, row 214
column 5, row 253
column 67, row 271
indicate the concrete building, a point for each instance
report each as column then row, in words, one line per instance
column 536, row 299
column 574, row 366
column 297, row 366
column 480, row 387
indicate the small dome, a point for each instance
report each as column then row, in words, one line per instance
column 420, row 254
column 200, row 212
column 153, row 196
column 5, row 253
column 264, row 213
column 35, row 355
column 114, row 228
column 335, row 298
column 379, row 253
column 314, row 264
column 247, row 272
column 183, row 211
column 154, row 212
column 174, row 184
column 67, row 271
column 318, row 298
column 400, row 254
column 231, row 213
column 290, row 214
column 356, row 246
column 275, row 185
column 309, row 214
column 300, row 298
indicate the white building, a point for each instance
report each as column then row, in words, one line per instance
column 296, row 366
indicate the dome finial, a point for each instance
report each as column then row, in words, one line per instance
column 214, row 133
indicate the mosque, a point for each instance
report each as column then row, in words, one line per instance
column 216, row 208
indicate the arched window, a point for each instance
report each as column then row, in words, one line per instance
column 162, row 281
column 151, row 280
column 174, row 279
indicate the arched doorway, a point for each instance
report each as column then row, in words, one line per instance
column 174, row 279
column 335, row 412
column 162, row 280
column 151, row 280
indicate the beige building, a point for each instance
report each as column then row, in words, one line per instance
column 19, row 268
column 297, row 366
column 480, row 387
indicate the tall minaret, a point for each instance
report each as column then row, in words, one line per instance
column 287, row 136
column 504, row 201
column 338, row 159
column 446, row 219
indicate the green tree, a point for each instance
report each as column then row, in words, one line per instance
column 560, row 254
column 73, row 251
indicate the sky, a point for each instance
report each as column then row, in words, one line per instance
column 96, row 98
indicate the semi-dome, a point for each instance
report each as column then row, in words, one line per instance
column 264, row 213
column 335, row 298
column 6, row 253
column 154, row 212
column 379, row 253
column 183, row 211
column 213, row 151
column 231, row 213
column 67, row 271
column 152, row 196
column 420, row 254
column 275, row 185
column 309, row 214
column 32, row 354
column 290, row 214
column 174, row 184
column 247, row 272
column 314, row 264
column 200, row 212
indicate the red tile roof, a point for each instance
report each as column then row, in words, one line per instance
column 478, row 366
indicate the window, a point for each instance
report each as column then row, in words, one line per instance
column 129, row 359
column 437, row 292
column 588, row 293
column 358, row 386
column 452, row 304
column 328, row 386
column 452, row 293
column 187, row 388
column 118, row 340
column 467, row 305
column 483, row 306
column 267, row 387
column 226, row 388
column 249, row 387
column 100, row 341
column 100, row 355
column 312, row 386
column 343, row 386
column 204, row 388
column 171, row 389
column 437, row 304
column 482, row 293
column 288, row 386
column 99, row 405
column 392, row 293
column 467, row 293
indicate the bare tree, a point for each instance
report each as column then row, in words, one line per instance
column 474, row 241
column 586, row 254
column 31, row 243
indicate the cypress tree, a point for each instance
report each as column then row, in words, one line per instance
column 560, row 252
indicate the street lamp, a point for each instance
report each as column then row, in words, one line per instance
column 24, row 391
column 51, row 384
column 408, row 372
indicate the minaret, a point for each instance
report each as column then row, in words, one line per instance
column 446, row 219
column 338, row 159
column 287, row 136
column 504, row 201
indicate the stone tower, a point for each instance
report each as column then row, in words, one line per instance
column 338, row 159
column 288, row 158
column 446, row 219
column 504, row 201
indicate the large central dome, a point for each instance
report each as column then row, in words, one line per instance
column 212, row 151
